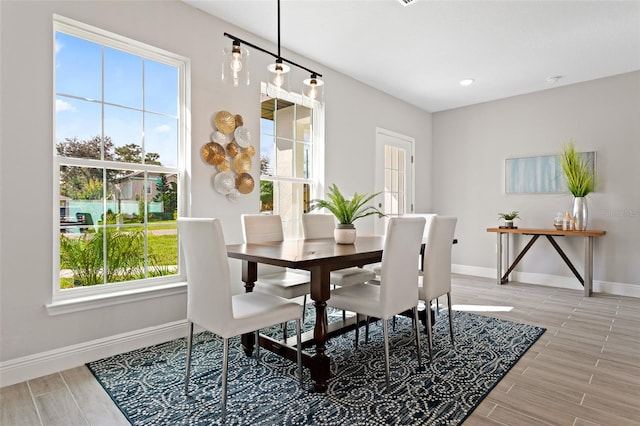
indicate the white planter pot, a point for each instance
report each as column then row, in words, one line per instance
column 345, row 234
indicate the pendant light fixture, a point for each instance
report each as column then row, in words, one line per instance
column 235, row 67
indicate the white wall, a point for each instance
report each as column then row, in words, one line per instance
column 470, row 146
column 28, row 332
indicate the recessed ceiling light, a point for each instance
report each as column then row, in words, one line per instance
column 466, row 82
column 554, row 79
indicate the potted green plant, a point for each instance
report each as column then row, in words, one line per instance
column 509, row 217
column 580, row 174
column 346, row 211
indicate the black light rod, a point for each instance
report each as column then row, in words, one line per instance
column 232, row 37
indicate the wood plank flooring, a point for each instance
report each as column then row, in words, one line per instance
column 584, row 371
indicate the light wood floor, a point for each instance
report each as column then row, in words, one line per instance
column 585, row 370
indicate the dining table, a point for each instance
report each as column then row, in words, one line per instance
column 319, row 257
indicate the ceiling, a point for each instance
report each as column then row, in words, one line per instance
column 420, row 52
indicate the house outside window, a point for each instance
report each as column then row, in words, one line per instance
column 119, row 148
column 291, row 156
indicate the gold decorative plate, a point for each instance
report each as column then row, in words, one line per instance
column 213, row 153
column 232, row 149
column 242, row 163
column 225, row 122
column 244, row 183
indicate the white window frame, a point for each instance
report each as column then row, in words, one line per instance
column 316, row 181
column 75, row 299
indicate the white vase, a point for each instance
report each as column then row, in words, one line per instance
column 345, row 233
column 580, row 213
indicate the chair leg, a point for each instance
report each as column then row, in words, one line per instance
column 416, row 328
column 394, row 323
column 257, row 334
column 299, row 347
column 450, row 318
column 429, row 333
column 385, row 328
column 225, row 369
column 284, row 332
column 357, row 329
column 304, row 307
column 188, row 366
column 366, row 331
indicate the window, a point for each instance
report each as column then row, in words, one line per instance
column 291, row 160
column 118, row 161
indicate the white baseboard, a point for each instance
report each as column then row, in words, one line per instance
column 49, row 362
column 607, row 287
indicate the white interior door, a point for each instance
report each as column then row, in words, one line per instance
column 394, row 175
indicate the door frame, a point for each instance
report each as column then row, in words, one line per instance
column 403, row 141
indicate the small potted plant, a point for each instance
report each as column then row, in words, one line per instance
column 346, row 211
column 508, row 218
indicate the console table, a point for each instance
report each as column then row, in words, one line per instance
column 588, row 236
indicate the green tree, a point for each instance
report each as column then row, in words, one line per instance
column 266, row 186
column 167, row 194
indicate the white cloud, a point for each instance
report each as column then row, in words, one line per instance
column 59, row 46
column 162, row 129
column 64, row 106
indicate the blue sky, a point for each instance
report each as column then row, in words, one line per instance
column 140, row 95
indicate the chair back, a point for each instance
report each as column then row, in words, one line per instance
column 398, row 274
column 260, row 228
column 318, row 226
column 436, row 279
column 208, row 278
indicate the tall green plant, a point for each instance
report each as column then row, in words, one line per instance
column 346, row 211
column 578, row 170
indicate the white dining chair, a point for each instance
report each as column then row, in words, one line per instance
column 210, row 303
column 277, row 280
column 398, row 288
column 435, row 279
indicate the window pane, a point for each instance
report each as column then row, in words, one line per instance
column 78, row 67
column 284, row 119
column 124, row 127
column 267, row 154
column 290, row 200
column 303, row 123
column 160, row 88
column 161, row 140
column 285, row 160
column 122, row 78
column 81, row 205
column 79, row 121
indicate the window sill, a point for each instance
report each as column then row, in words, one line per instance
column 86, row 303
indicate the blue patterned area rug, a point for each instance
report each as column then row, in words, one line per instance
column 148, row 384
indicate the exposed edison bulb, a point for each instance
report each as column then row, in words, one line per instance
column 236, row 63
column 279, row 72
column 313, row 88
column 313, row 92
column 278, row 80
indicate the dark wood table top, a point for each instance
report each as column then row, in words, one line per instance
column 304, row 254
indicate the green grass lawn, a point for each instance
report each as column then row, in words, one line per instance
column 162, row 249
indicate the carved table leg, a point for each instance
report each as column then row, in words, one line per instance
column 320, row 363
column 249, row 276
